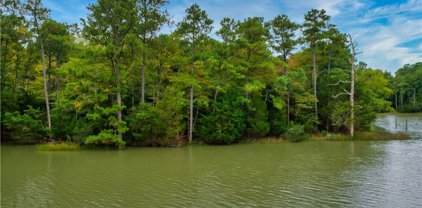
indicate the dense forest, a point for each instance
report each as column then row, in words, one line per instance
column 116, row 78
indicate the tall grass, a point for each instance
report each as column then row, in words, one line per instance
column 60, row 146
column 367, row 135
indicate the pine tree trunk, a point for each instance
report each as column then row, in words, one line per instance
column 119, row 102
column 44, row 72
column 352, row 101
column 143, row 79
column 15, row 84
column 118, row 96
column 191, row 94
column 414, row 98
column 133, row 93
column 157, row 88
column 288, row 109
column 191, row 111
column 49, row 74
column 395, row 95
column 352, row 89
column 315, row 86
column 401, row 100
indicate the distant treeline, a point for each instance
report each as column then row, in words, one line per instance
column 118, row 79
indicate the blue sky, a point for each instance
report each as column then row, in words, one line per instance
column 389, row 33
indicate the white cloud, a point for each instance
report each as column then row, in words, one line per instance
column 382, row 46
column 392, row 10
column 383, row 41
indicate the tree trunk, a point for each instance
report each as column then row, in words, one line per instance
column 395, row 95
column 352, row 100
column 49, row 74
column 15, row 84
column 288, row 109
column 414, row 98
column 191, row 94
column 133, row 92
column 315, row 86
column 215, row 95
column 352, row 89
column 44, row 72
column 157, row 88
column 119, row 97
column 143, row 79
column 191, row 111
column 119, row 103
column 401, row 100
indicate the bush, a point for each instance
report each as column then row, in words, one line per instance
column 27, row 126
column 105, row 138
column 296, row 133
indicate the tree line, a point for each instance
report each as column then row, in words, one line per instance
column 119, row 79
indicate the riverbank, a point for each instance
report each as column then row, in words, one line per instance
column 360, row 136
column 368, row 136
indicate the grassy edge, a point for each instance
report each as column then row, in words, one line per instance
column 60, row 146
column 360, row 136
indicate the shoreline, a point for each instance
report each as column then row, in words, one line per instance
column 360, row 136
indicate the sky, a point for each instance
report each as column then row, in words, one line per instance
column 388, row 32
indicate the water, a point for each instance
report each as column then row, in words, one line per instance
column 306, row 174
column 396, row 123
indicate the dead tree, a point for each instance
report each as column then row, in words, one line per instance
column 351, row 92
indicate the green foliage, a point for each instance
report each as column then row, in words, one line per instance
column 120, row 77
column 145, row 123
column 257, row 124
column 314, row 27
column 407, row 86
column 278, row 121
column 26, row 126
column 105, row 138
column 224, row 123
column 56, row 41
column 107, row 118
column 296, row 133
column 283, row 29
column 171, row 112
column 371, row 93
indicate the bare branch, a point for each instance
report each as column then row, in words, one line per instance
column 340, row 81
column 343, row 93
column 336, row 96
column 347, row 92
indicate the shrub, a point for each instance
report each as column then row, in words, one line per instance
column 27, row 126
column 296, row 133
column 105, row 138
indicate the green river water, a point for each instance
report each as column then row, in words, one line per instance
column 305, row 174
